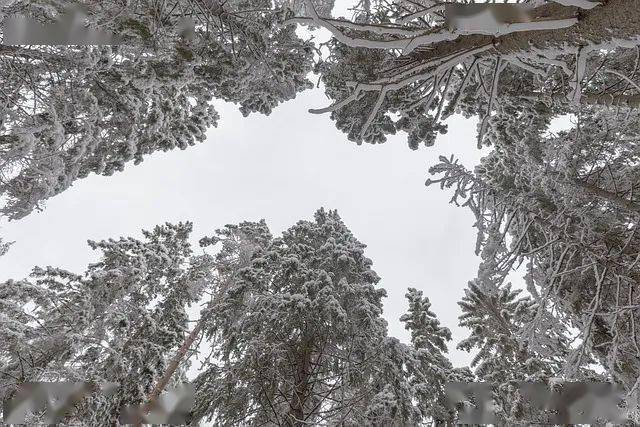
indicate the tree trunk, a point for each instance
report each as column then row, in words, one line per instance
column 619, row 19
column 301, row 389
column 171, row 369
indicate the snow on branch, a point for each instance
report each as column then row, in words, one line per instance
column 406, row 44
column 374, row 111
column 579, row 74
column 421, row 13
column 487, row 22
column 547, row 24
column 582, row 4
column 492, row 96
column 622, row 76
column 441, row 63
column 390, row 85
column 461, row 20
column 373, row 28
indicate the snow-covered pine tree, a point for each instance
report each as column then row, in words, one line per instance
column 298, row 338
column 118, row 322
column 565, row 206
column 499, row 320
column 282, row 332
column 238, row 244
column 295, row 325
column 69, row 111
column 430, row 369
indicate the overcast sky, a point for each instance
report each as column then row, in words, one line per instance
column 281, row 168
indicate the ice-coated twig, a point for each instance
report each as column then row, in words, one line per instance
column 421, row 13
column 374, row 111
column 622, row 76
column 388, row 85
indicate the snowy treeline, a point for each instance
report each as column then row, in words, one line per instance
column 561, row 207
column 294, row 324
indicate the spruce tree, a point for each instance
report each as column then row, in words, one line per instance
column 298, row 337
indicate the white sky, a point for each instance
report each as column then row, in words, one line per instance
column 280, row 168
